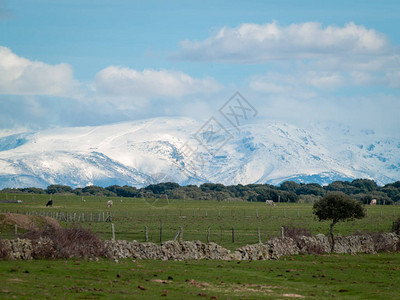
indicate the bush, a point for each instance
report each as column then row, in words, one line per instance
column 295, row 232
column 65, row 243
column 396, row 226
column 4, row 250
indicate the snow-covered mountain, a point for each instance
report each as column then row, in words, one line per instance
column 184, row 151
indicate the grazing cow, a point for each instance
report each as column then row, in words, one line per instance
column 49, row 203
column 269, row 202
column 109, row 203
column 373, row 202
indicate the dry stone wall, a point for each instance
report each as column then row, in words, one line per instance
column 193, row 250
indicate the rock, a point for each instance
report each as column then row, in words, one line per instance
column 193, row 250
column 282, row 247
column 313, row 245
column 354, row 244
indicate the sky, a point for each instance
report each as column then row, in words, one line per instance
column 81, row 63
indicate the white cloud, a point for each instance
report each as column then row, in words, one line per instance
column 119, row 82
column 253, row 43
column 297, row 84
column 20, row 76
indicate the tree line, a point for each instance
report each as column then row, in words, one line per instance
column 363, row 190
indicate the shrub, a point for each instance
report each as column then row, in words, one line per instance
column 295, row 232
column 4, row 250
column 396, row 226
column 65, row 243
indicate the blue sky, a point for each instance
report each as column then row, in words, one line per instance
column 75, row 63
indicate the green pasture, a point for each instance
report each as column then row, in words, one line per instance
column 308, row 277
column 132, row 215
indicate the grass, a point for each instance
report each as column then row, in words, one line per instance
column 316, row 277
column 132, row 215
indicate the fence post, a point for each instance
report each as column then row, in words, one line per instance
column 176, row 235
column 282, row 232
column 257, row 213
column 206, row 212
column 160, row 231
column 113, row 231
column 258, row 235
column 181, row 234
column 146, row 235
column 193, row 212
column 219, row 212
column 16, row 231
column 233, row 234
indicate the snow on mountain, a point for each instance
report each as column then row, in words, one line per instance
column 165, row 149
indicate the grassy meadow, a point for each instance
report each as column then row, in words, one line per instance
column 132, row 215
column 309, row 277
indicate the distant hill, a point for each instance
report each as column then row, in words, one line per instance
column 154, row 150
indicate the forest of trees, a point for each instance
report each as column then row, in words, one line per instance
column 289, row 191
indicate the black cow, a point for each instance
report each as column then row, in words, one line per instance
column 50, row 203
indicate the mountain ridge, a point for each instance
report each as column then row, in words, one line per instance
column 148, row 151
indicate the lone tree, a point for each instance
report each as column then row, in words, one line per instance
column 337, row 206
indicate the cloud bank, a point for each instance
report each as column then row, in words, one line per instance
column 253, row 43
column 20, row 76
column 129, row 83
column 346, row 73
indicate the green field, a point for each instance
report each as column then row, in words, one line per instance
column 313, row 277
column 319, row 277
column 195, row 217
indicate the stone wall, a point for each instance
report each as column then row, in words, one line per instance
column 188, row 250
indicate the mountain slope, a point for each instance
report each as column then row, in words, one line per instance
column 166, row 149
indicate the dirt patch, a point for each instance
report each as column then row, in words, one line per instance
column 292, row 296
column 238, row 289
column 28, row 222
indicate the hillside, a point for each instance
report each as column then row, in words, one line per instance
column 154, row 150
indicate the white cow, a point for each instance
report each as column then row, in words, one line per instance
column 373, row 202
column 109, row 203
column 269, row 202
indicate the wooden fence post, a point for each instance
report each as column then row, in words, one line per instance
column 282, row 232
column 146, row 235
column 113, row 231
column 176, row 235
column 259, row 235
column 160, row 231
column 233, row 234
column 16, row 231
column 257, row 213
